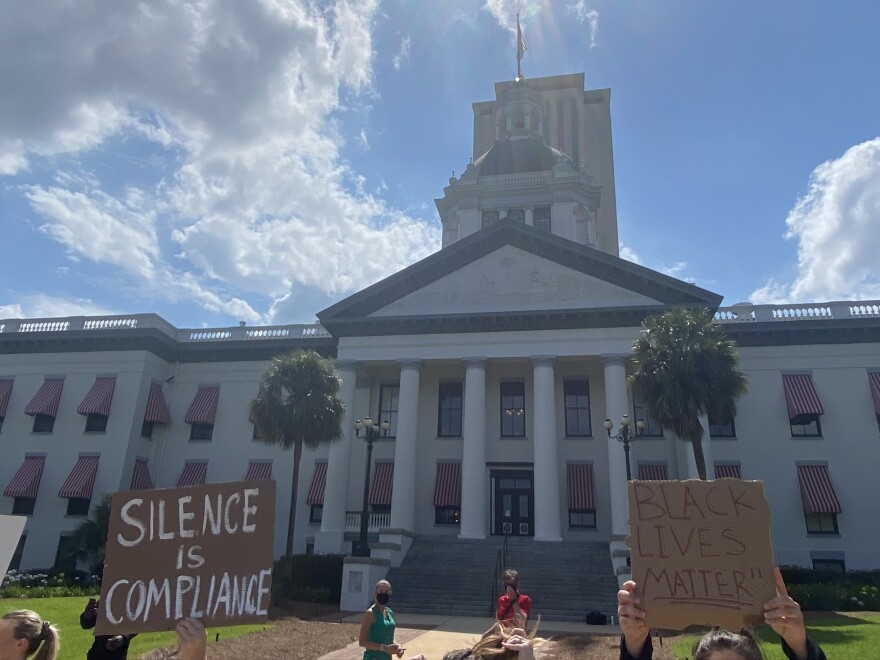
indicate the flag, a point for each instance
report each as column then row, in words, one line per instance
column 520, row 42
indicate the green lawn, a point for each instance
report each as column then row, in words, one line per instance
column 64, row 612
column 842, row 636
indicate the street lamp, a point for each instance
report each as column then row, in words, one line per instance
column 625, row 436
column 361, row 547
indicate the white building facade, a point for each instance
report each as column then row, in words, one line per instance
column 494, row 361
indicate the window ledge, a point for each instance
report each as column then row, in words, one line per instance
column 578, row 437
column 723, row 437
column 506, row 438
column 41, row 432
column 448, row 437
column 94, row 432
column 822, row 535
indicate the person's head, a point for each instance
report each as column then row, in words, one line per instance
column 23, row 634
column 725, row 645
column 511, row 579
column 383, row 591
column 489, row 647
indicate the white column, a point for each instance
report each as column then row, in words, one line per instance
column 616, row 406
column 547, row 516
column 329, row 539
column 403, row 495
column 474, row 512
column 530, row 216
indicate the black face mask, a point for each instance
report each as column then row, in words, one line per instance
column 382, row 598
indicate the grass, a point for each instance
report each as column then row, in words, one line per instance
column 75, row 642
column 843, row 636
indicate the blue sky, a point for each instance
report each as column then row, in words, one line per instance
column 258, row 161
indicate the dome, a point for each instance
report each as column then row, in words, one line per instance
column 519, row 155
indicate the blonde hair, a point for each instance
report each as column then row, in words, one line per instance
column 490, row 646
column 511, row 575
column 42, row 636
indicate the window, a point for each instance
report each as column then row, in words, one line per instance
column 65, row 556
column 541, row 218
column 513, row 409
column 652, row 427
column 577, row 408
column 96, row 423
column 517, row 215
column 489, row 218
column 584, row 518
column 719, row 428
column 519, row 120
column 821, row 523
column 449, row 410
column 201, row 431
column 78, row 506
column 23, row 506
column 1, row 422
column 257, row 435
column 15, row 562
column 147, row 429
column 830, row 565
column 806, row 426
column 380, row 508
column 316, row 514
column 447, row 515
column 43, row 423
column 388, row 398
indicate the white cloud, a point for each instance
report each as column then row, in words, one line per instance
column 505, row 11
column 629, row 254
column 402, row 56
column 586, row 15
column 836, row 226
column 40, row 305
column 674, row 270
column 243, row 99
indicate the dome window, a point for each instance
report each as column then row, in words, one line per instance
column 489, row 218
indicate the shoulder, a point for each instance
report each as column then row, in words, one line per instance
column 370, row 613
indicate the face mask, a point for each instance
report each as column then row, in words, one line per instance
column 382, row 598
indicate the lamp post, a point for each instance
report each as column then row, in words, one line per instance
column 361, row 547
column 625, row 436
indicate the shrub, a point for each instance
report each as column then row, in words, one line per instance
column 313, row 578
column 46, row 583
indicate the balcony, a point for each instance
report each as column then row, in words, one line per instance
column 376, row 521
column 748, row 313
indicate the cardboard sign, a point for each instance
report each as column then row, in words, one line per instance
column 10, row 533
column 701, row 552
column 204, row 552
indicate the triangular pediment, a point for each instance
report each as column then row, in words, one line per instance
column 511, row 276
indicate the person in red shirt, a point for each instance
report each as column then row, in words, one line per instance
column 514, row 608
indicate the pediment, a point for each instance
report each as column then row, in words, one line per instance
column 513, row 280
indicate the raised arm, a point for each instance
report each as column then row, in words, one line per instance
column 783, row 614
column 632, row 622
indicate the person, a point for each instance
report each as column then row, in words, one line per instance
column 104, row 647
column 192, row 643
column 23, row 634
column 514, row 608
column 781, row 613
column 377, row 627
column 501, row 644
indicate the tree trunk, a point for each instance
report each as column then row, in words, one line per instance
column 294, row 486
column 699, row 457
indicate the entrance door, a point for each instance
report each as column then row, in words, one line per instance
column 514, row 502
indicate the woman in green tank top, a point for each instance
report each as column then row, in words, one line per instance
column 377, row 627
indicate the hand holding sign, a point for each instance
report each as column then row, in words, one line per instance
column 632, row 619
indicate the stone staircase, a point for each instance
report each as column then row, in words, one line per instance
column 445, row 575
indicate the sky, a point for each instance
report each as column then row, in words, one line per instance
column 222, row 161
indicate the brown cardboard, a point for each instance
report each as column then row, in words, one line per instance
column 204, row 551
column 701, row 552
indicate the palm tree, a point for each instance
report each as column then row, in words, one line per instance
column 90, row 537
column 686, row 367
column 298, row 406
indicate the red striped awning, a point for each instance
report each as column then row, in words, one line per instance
column 315, row 496
column 817, row 491
column 157, row 409
column 203, row 409
column 727, row 470
column 140, row 476
column 580, row 486
column 47, row 398
column 383, row 482
column 258, row 470
column 447, row 488
column 5, row 392
column 26, row 481
column 801, row 397
column 874, row 379
column 653, row 472
column 99, row 398
column 193, row 474
column 81, row 480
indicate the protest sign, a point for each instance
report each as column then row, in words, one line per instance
column 701, row 552
column 204, row 552
column 10, row 533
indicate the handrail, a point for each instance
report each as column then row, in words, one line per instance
column 496, row 571
column 504, row 552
